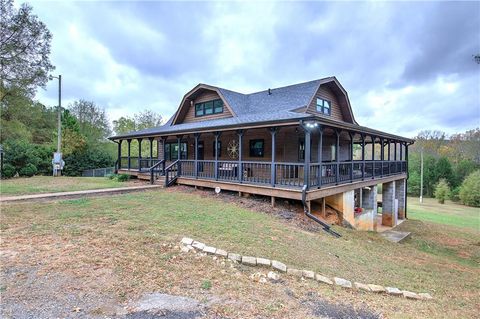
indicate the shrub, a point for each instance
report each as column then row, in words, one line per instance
column 442, row 191
column 470, row 190
column 112, row 176
column 455, row 194
column 8, row 171
column 28, row 170
column 123, row 177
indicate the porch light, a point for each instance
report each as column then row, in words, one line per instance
column 311, row 124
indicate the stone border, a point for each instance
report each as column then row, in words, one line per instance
column 188, row 244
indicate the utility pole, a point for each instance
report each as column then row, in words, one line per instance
column 421, row 175
column 59, row 129
column 57, row 160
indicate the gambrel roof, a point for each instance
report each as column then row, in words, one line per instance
column 278, row 105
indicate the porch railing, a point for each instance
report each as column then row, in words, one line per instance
column 284, row 174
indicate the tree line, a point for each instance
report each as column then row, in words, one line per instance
column 448, row 161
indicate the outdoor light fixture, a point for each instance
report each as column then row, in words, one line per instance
column 311, row 124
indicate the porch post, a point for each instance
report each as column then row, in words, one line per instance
column 395, row 151
column 337, row 158
column 196, row 136
column 389, row 158
column 119, row 154
column 363, row 155
column 401, row 150
column 129, row 141
column 320, row 155
column 273, row 132
column 139, row 153
column 406, row 181
column 151, row 150
column 306, row 168
column 351, row 155
column 382, row 154
column 164, row 139
column 179, row 138
column 240, row 140
column 373, row 155
column 217, row 135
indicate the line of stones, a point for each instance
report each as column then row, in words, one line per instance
column 189, row 244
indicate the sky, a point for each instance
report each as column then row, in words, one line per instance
column 407, row 66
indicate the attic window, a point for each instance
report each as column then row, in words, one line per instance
column 209, row 108
column 323, row 106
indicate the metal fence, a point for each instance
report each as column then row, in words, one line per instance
column 98, row 172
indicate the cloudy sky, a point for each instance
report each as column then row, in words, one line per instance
column 406, row 66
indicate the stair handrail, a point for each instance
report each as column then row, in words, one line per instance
column 168, row 169
column 152, row 170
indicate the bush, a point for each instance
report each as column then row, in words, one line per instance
column 112, row 176
column 29, row 170
column 442, row 191
column 8, row 171
column 123, row 177
column 470, row 190
column 455, row 194
column 90, row 158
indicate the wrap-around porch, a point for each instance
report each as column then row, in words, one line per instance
column 287, row 157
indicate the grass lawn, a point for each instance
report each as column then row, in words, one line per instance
column 124, row 247
column 450, row 213
column 49, row 184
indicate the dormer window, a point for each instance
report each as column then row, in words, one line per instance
column 209, row 108
column 323, row 106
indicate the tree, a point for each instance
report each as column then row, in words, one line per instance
column 24, row 50
column 72, row 140
column 92, row 120
column 470, row 190
column 142, row 120
column 442, row 191
column 443, row 169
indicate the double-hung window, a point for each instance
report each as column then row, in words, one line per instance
column 324, row 106
column 256, row 148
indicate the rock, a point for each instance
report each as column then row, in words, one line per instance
column 258, row 276
column 376, row 288
column 221, row 252
column 263, row 262
column 248, row 260
column 234, row 257
column 184, row 249
column 308, row 274
column 273, row 276
column 323, row 279
column 410, row 295
column 393, row 291
column 342, row 282
column 361, row 286
column 198, row 245
column 209, row 250
column 279, row 266
column 425, row 296
column 295, row 272
column 186, row 241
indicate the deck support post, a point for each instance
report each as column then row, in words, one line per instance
column 273, row 201
column 373, row 155
column 363, row 155
column 196, row 136
column 320, row 156
column 337, row 157
column 129, row 141
column 119, row 154
column 217, row 135
column 139, row 154
column 240, row 142
column 352, row 136
column 306, row 168
column 273, row 132
column 324, row 212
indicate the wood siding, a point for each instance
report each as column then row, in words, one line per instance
column 204, row 97
column 324, row 92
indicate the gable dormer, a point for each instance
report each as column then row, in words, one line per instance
column 202, row 103
column 331, row 101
